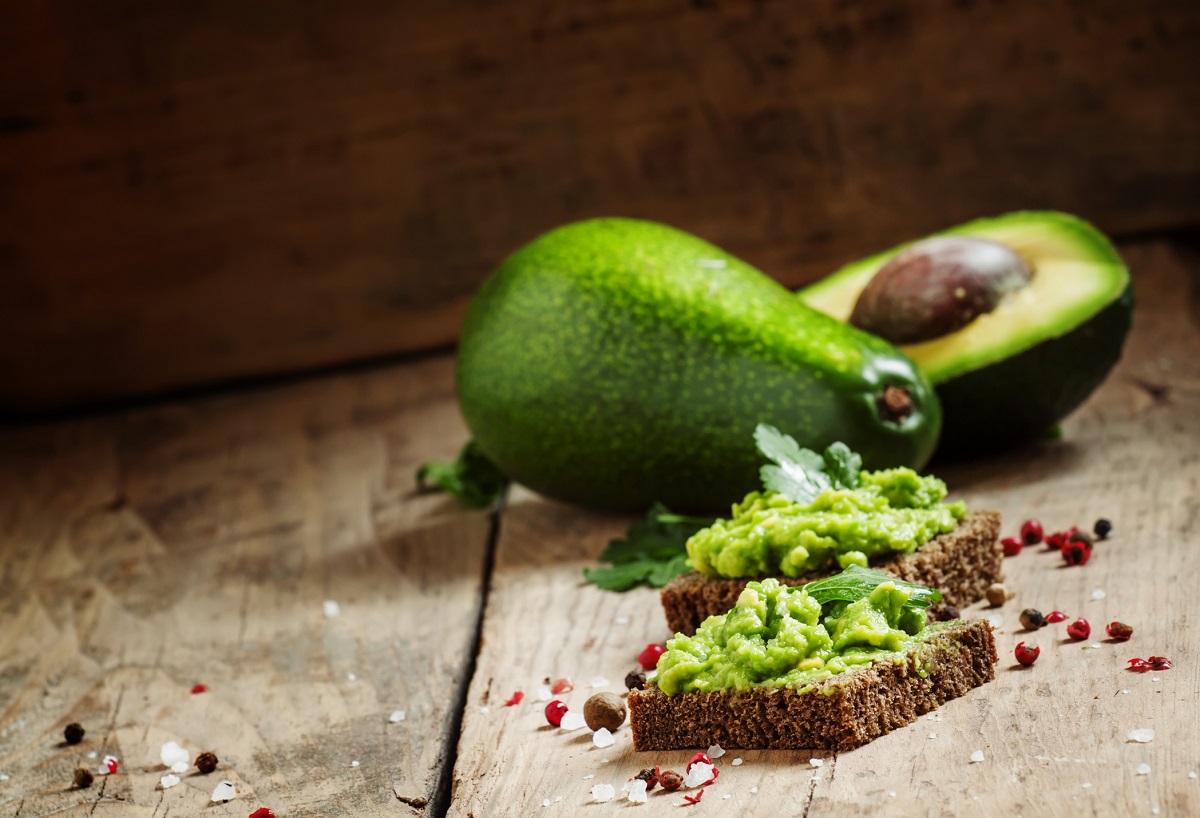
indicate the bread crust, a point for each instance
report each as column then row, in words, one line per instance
column 961, row 564
column 839, row 713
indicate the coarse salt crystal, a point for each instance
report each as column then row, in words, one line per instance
column 543, row 694
column 557, row 798
column 754, row 789
column 172, row 754
column 1087, row 785
column 602, row 738
column 485, row 709
column 1096, row 646
column 650, row 674
column 331, row 609
column 4, row 776
column 169, row 780
column 225, row 791
column 737, row 762
column 92, row 754
column 1124, row 691
column 572, row 720
column 589, row 775
column 603, row 792
column 622, row 620
column 598, row 681
column 397, row 716
column 1193, row 774
column 1143, row 769
column 716, row 751
column 727, row 796
column 892, row 794
column 933, row 735
column 180, row 767
column 1156, row 678
column 977, row 756
column 816, row 762
column 1142, row 735
column 996, row 620
column 351, row 677
column 354, row 763
column 545, row 802
column 1098, row 594
column 698, row 775
column 636, row 790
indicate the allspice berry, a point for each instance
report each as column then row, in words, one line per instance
column 604, row 710
column 670, row 780
column 73, row 733
column 83, row 778
column 206, row 762
column 997, row 594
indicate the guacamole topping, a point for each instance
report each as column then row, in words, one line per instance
column 894, row 511
column 781, row 636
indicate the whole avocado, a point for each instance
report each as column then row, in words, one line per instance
column 617, row 362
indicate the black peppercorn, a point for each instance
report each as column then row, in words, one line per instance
column 635, row 680
column 1103, row 528
column 947, row 612
column 73, row 733
column 650, row 776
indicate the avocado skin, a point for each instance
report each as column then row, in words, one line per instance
column 980, row 415
column 616, row 362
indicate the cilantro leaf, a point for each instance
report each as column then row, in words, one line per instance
column 473, row 479
column 857, row 582
column 801, row 474
column 653, row 552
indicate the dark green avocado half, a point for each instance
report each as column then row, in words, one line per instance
column 1011, row 375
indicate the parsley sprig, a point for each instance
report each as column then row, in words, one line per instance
column 802, row 474
column 473, row 479
column 653, row 552
column 857, row 582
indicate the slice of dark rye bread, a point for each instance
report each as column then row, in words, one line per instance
column 839, row 713
column 961, row 564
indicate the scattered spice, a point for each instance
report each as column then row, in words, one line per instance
column 947, row 613
column 262, row 812
column 199, row 688
column 563, row 685
column 694, row 799
column 648, row 658
column 669, row 780
column 996, row 594
column 1103, row 528
column 1032, row 619
column 1012, row 546
column 1076, row 553
column 1026, row 654
column 1056, row 616
column 1118, row 630
column 650, row 776
column 514, row 699
column 554, row 712
column 635, row 680
column 1159, row 663
column 1031, row 532
column 73, row 733
column 83, row 778
column 1079, row 630
column 604, row 710
column 206, row 762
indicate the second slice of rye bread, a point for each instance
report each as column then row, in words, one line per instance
column 961, row 564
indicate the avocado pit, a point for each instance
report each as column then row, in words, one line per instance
column 938, row 286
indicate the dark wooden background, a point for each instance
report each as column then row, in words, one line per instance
column 207, row 192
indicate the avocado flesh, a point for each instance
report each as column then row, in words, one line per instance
column 1011, row 374
column 616, row 362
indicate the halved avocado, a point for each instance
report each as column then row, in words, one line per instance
column 1013, row 373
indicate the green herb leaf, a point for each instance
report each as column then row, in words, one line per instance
column 801, row 474
column 473, row 479
column 653, row 552
column 857, row 582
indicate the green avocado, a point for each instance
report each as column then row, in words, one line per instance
column 615, row 362
column 1011, row 374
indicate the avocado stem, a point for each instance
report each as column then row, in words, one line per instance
column 895, row 403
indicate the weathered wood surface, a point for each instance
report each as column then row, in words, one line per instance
column 1053, row 736
column 195, row 193
column 146, row 553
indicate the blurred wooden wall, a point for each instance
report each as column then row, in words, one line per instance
column 195, row 193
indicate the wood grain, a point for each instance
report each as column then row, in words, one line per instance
column 1054, row 736
column 201, row 193
column 188, row 544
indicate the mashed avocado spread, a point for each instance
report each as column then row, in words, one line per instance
column 781, row 636
column 894, row 511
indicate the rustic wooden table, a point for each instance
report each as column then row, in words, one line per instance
column 199, row 543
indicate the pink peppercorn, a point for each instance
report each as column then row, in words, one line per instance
column 1012, row 546
column 1138, row 665
column 1119, row 631
column 699, row 758
column 262, row 812
column 554, row 712
column 1031, row 532
column 648, row 658
column 1056, row 616
column 1079, row 629
column 1027, row 654
column 563, row 685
